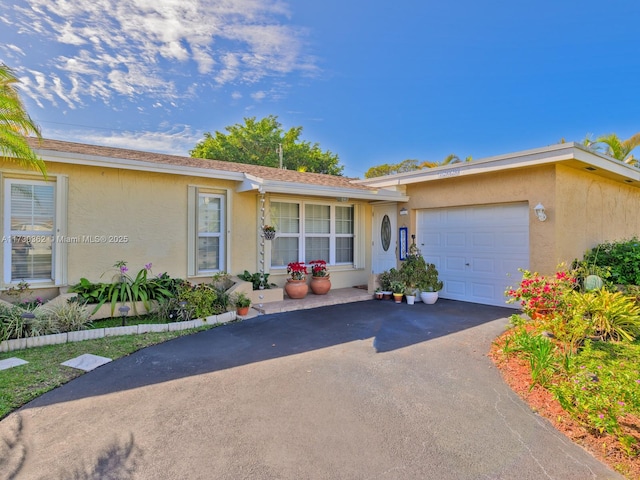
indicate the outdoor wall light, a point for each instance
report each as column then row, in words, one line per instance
column 404, row 211
column 539, row 209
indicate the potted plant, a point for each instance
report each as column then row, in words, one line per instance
column 296, row 286
column 378, row 294
column 269, row 232
column 386, row 278
column 242, row 303
column 320, row 282
column 410, row 295
column 397, row 288
column 430, row 285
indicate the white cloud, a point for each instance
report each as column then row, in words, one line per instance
column 173, row 140
column 108, row 48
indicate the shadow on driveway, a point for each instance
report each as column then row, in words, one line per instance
column 390, row 326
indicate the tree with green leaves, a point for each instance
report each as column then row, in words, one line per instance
column 448, row 160
column 617, row 148
column 410, row 166
column 16, row 125
column 264, row 142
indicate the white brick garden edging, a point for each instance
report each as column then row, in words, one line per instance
column 80, row 335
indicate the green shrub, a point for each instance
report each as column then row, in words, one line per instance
column 611, row 315
column 257, row 279
column 602, row 387
column 387, row 277
column 12, row 324
column 204, row 300
column 621, row 257
column 65, row 317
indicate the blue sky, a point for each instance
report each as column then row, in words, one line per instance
column 374, row 82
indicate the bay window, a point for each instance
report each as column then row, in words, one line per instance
column 312, row 231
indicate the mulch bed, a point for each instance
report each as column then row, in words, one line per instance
column 517, row 374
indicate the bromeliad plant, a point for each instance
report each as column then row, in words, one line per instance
column 319, row 268
column 297, row 270
column 125, row 288
column 541, row 293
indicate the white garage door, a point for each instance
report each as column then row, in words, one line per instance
column 476, row 249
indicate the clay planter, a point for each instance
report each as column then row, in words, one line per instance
column 296, row 288
column 242, row 311
column 320, row 285
column 397, row 297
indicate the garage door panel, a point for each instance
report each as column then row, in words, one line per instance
column 432, row 240
column 483, row 265
column 477, row 248
column 483, row 240
column 482, row 292
column 456, row 290
column 455, row 239
column 453, row 264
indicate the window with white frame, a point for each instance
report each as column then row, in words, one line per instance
column 312, row 231
column 29, row 226
column 210, row 252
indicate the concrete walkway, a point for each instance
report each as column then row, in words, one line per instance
column 363, row 390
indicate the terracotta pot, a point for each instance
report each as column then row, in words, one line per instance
column 320, row 285
column 242, row 310
column 296, row 288
column 379, row 295
column 397, row 297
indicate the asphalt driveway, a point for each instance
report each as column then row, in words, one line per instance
column 368, row 390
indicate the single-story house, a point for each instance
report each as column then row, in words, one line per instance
column 193, row 217
column 188, row 217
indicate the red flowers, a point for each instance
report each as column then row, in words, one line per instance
column 319, row 268
column 297, row 270
column 541, row 293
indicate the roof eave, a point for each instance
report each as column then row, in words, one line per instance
column 137, row 165
column 252, row 183
column 541, row 156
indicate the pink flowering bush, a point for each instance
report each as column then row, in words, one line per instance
column 541, row 293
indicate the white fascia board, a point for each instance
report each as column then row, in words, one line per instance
column 536, row 157
column 137, row 165
column 306, row 189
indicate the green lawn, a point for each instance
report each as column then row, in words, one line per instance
column 19, row 385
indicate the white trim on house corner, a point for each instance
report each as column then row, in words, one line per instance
column 137, row 165
column 269, row 186
column 564, row 152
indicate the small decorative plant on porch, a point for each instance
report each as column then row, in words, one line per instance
column 319, row 268
column 297, row 270
column 320, row 282
column 296, row 286
column 269, row 232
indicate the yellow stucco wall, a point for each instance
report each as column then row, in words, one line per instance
column 531, row 185
column 151, row 210
column 592, row 210
column 583, row 209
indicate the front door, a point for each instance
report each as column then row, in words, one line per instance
column 384, row 238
